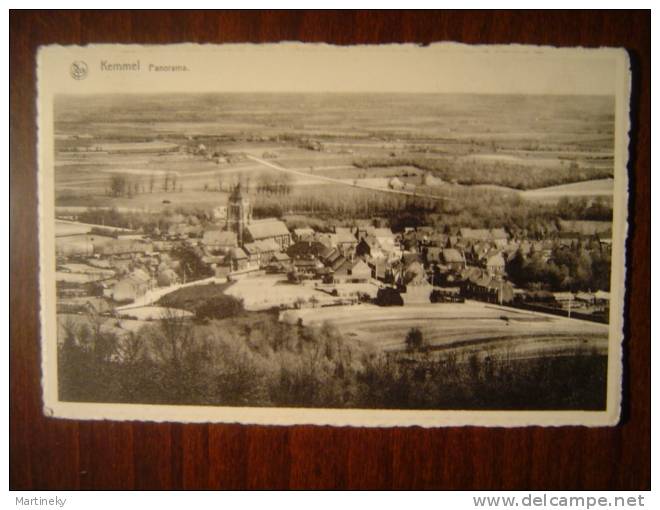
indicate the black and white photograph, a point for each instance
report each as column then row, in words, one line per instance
column 366, row 236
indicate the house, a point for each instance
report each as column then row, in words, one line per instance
column 474, row 234
column 410, row 239
column 333, row 259
column 395, row 183
column 499, row 237
column 408, row 258
column 495, row 264
column 184, row 230
column 279, row 261
column 496, row 236
column 478, row 251
column 270, row 228
column 386, row 240
column 364, row 231
column 428, row 179
column 327, row 240
column 345, row 240
column 307, row 268
column 381, row 270
column 585, row 297
column 433, row 255
column 563, row 298
column 238, row 259
column 488, row 289
column 303, row 234
column 446, row 295
column 307, row 249
column 413, row 274
column 253, row 254
column 219, row 240
column 439, row 239
column 364, row 247
column 80, row 244
column 260, row 252
column 131, row 287
column 352, row 271
column 453, row 259
column 213, row 260
column 602, row 298
column 220, row 213
column 417, row 288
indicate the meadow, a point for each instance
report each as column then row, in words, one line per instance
column 461, row 328
column 521, row 143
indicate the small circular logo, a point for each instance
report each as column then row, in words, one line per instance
column 79, row 70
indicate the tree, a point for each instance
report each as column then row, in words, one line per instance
column 515, row 267
column 192, row 266
column 415, row 340
column 104, row 343
column 388, row 296
column 117, row 185
column 219, row 307
column 179, row 357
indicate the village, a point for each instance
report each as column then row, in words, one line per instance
column 121, row 272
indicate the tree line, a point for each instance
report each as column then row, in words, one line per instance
column 256, row 360
column 584, row 267
column 122, row 185
column 471, row 172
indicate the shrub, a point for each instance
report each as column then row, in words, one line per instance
column 219, row 307
column 415, row 340
column 389, row 297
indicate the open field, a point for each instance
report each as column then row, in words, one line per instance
column 264, row 292
column 470, row 325
column 598, row 187
column 316, row 136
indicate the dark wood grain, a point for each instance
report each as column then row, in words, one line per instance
column 57, row 454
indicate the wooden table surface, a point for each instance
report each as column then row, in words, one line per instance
column 60, row 454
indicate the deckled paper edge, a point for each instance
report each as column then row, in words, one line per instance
column 278, row 416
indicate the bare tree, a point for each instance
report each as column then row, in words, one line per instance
column 176, row 338
column 130, row 348
column 104, row 343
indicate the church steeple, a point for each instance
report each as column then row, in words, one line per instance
column 239, row 212
column 236, row 193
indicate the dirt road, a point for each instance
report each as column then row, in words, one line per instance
column 344, row 182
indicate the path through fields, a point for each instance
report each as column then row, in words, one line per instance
column 343, row 181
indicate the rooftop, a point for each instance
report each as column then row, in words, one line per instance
column 270, row 227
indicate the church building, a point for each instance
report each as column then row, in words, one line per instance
column 239, row 213
column 239, row 220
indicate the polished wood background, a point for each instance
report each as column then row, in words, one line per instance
column 59, row 454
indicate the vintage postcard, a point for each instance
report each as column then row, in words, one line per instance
column 311, row 234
